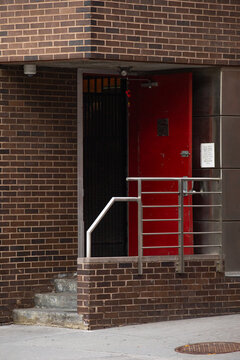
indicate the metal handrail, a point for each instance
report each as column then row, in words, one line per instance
column 99, row 218
column 185, row 178
column 180, row 218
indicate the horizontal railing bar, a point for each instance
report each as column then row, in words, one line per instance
column 159, row 206
column 212, row 221
column 173, row 178
column 185, row 233
column 207, row 205
column 202, row 192
column 125, row 198
column 201, row 246
column 161, row 219
column 176, row 206
column 175, row 247
column 162, row 233
column 160, row 192
column 161, row 247
column 202, row 232
column 185, row 192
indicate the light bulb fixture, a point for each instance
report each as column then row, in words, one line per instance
column 30, row 69
column 124, row 71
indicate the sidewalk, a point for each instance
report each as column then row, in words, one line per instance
column 141, row 342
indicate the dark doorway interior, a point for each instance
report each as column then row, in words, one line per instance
column 105, row 162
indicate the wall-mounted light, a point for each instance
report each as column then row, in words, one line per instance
column 124, row 71
column 30, row 69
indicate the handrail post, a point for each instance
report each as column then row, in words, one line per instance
column 140, row 228
column 180, row 227
column 89, row 244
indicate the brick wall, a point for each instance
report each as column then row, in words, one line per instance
column 32, row 30
column 190, row 32
column 38, row 183
column 196, row 32
column 111, row 293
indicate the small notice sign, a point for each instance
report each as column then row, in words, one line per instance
column 207, row 155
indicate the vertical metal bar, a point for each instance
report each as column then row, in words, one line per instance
column 140, row 228
column 221, row 125
column 180, row 226
column 81, row 247
column 89, row 244
column 221, row 173
column 123, row 89
column 220, row 268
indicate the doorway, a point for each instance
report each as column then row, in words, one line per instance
column 105, row 161
column 160, row 145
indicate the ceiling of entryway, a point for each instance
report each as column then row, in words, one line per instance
column 114, row 66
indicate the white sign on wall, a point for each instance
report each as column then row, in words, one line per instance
column 207, row 155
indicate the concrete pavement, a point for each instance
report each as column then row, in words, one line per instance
column 155, row 341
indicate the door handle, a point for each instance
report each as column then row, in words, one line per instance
column 185, row 153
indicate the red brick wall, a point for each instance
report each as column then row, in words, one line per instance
column 194, row 32
column 33, row 30
column 38, row 182
column 111, row 293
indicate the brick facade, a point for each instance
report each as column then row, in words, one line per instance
column 38, row 182
column 175, row 31
column 188, row 32
column 32, row 30
column 111, row 293
column 38, row 150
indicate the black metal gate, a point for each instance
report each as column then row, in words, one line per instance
column 105, row 161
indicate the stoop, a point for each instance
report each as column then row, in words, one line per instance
column 58, row 308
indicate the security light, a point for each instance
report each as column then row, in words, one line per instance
column 124, row 71
column 30, row 69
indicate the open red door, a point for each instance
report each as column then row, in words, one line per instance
column 160, row 145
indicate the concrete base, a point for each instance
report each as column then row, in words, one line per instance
column 54, row 309
column 67, row 318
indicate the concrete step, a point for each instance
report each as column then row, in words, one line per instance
column 59, row 300
column 57, row 308
column 65, row 284
column 67, row 318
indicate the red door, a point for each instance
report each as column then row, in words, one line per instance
column 160, row 128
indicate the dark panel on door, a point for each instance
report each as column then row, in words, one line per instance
column 105, row 167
